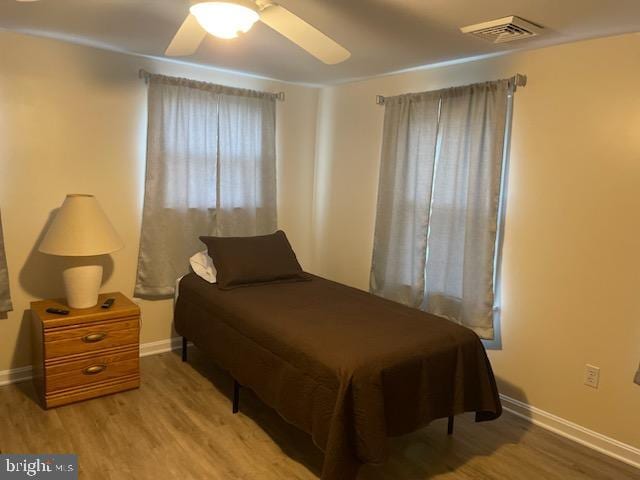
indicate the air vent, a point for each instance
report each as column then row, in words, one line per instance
column 507, row 29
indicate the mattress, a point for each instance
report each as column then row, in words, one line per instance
column 348, row 367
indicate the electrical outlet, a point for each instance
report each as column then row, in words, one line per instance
column 591, row 376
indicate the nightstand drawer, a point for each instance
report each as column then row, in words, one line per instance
column 92, row 370
column 90, row 338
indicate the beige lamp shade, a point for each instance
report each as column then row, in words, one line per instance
column 80, row 229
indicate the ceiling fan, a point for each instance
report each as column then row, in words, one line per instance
column 226, row 19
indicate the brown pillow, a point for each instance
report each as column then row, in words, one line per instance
column 242, row 261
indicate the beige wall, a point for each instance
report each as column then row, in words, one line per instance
column 572, row 248
column 72, row 119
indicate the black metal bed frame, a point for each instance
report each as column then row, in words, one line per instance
column 236, row 391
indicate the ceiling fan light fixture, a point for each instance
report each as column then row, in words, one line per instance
column 225, row 19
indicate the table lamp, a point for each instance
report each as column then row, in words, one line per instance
column 82, row 232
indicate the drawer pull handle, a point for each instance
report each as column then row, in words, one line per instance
column 94, row 337
column 94, row 369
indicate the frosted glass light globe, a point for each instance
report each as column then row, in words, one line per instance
column 225, row 19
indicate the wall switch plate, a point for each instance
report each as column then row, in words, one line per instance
column 591, row 376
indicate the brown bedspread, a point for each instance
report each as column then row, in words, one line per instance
column 345, row 366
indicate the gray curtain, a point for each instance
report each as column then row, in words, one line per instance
column 404, row 192
column 454, row 242
column 247, row 166
column 5, row 295
column 211, row 170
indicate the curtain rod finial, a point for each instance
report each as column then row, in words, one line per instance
column 521, row 80
column 142, row 73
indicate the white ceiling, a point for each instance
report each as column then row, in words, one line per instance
column 382, row 35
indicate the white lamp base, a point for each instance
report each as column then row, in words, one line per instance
column 82, row 280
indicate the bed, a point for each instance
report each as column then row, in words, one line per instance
column 347, row 367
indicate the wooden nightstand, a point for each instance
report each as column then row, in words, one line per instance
column 86, row 354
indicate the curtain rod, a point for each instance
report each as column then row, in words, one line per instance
column 518, row 80
column 143, row 74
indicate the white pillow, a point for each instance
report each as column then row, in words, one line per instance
column 202, row 265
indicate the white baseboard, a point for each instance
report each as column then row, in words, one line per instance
column 565, row 428
column 161, row 346
column 22, row 374
column 594, row 440
column 15, row 375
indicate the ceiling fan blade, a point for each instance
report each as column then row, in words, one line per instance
column 187, row 40
column 304, row 35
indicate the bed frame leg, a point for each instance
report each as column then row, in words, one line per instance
column 184, row 349
column 236, row 396
column 450, row 426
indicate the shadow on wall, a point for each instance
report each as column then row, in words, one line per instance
column 426, row 453
column 41, row 274
column 23, row 342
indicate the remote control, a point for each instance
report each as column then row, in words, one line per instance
column 107, row 303
column 57, row 311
